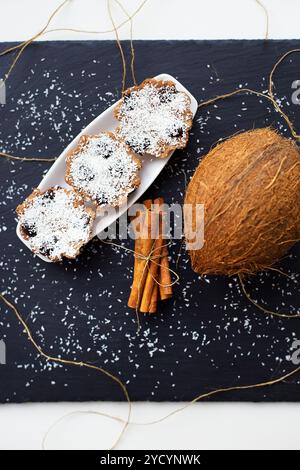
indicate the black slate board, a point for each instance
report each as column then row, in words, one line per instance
column 208, row 336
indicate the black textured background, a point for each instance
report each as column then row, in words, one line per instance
column 208, row 336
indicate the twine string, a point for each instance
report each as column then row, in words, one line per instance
column 267, row 17
column 22, row 48
column 23, row 45
column 27, row 159
column 270, row 96
column 74, row 30
column 222, row 390
column 132, row 50
column 151, row 258
column 29, row 41
column 200, row 397
column 128, row 421
column 271, row 92
column 119, row 46
column 282, row 273
column 260, row 307
column 76, row 413
column 70, row 362
column 148, row 259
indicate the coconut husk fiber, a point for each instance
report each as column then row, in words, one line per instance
column 250, row 188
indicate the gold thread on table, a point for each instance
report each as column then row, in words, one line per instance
column 74, row 30
column 131, row 40
column 271, row 93
column 269, row 96
column 28, row 159
column 73, row 363
column 128, row 421
column 22, row 46
column 267, row 17
column 222, row 390
column 270, row 268
column 260, row 307
column 79, row 412
column 132, row 50
column 198, row 398
column 119, row 46
column 29, row 41
column 148, row 259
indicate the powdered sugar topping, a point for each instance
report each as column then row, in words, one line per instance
column 154, row 118
column 103, row 169
column 55, row 223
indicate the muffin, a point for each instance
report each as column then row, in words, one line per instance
column 155, row 118
column 55, row 222
column 102, row 168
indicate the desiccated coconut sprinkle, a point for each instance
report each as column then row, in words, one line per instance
column 55, row 223
column 103, row 169
column 153, row 118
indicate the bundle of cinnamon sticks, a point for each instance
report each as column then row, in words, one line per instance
column 152, row 278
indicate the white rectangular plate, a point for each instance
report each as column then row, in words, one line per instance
column 151, row 167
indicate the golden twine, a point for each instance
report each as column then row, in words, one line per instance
column 126, row 422
column 74, row 30
column 119, row 46
column 224, row 390
column 71, row 362
column 150, row 258
column 270, row 96
column 131, row 40
column 22, row 46
column 260, row 307
column 27, row 159
column 267, row 18
column 271, row 93
column 201, row 397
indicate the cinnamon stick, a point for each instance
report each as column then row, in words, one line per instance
column 152, row 275
column 154, row 299
column 143, row 246
column 165, row 281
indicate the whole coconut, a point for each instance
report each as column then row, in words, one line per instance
column 250, row 188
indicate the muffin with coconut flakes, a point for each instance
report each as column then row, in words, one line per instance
column 155, row 118
column 102, row 168
column 55, row 222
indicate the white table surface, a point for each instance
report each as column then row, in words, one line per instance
column 206, row 425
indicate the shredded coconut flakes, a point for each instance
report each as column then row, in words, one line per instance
column 55, row 224
column 104, row 170
column 153, row 118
